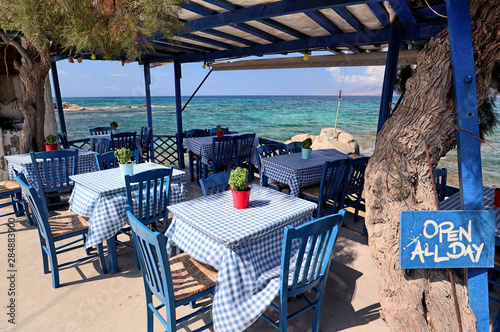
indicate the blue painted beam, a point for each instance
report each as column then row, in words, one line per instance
column 147, row 85
column 198, row 9
column 468, row 148
column 230, row 37
column 282, row 27
column 425, row 13
column 223, row 4
column 323, row 21
column 185, row 47
column 404, row 11
column 354, row 49
column 391, row 68
column 257, row 32
column 381, row 13
column 178, row 111
column 349, row 18
column 208, row 41
column 367, row 37
column 57, row 92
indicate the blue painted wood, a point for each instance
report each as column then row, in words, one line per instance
column 198, row 9
column 404, row 11
column 99, row 131
column 446, row 239
column 216, row 183
column 257, row 32
column 108, row 160
column 165, row 149
column 382, row 15
column 349, row 18
column 389, row 74
column 230, row 37
column 57, row 92
column 469, row 154
column 147, row 85
column 323, row 21
column 285, row 28
column 178, row 111
column 208, row 41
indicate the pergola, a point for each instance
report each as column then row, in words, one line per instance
column 355, row 32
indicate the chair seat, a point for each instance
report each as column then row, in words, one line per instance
column 67, row 223
column 6, row 186
column 279, row 184
column 190, row 276
column 311, row 191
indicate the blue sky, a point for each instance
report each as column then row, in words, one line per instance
column 109, row 78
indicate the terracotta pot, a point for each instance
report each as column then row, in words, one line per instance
column 220, row 133
column 241, row 198
column 51, row 147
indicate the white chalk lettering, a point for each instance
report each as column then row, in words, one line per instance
column 454, row 246
column 418, row 251
column 468, row 234
column 444, row 230
column 436, row 228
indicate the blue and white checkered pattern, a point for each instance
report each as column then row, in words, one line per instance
column 22, row 163
column 102, row 197
column 296, row 172
column 203, row 145
column 243, row 245
column 108, row 137
column 454, row 203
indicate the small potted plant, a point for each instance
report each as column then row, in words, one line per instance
column 126, row 166
column 114, row 127
column 306, row 148
column 239, row 187
column 51, row 142
column 220, row 132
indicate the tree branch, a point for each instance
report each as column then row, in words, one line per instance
column 18, row 47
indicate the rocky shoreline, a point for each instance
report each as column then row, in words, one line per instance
column 67, row 107
column 331, row 138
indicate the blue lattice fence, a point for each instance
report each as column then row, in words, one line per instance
column 165, row 149
column 80, row 143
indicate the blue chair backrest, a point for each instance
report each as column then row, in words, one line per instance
column 153, row 194
column 100, row 145
column 124, row 140
column 155, row 267
column 193, row 133
column 243, row 147
column 216, row 183
column 294, row 147
column 213, row 131
column 331, row 181
column 39, row 212
column 63, row 139
column 314, row 242
column 354, row 178
column 222, row 151
column 108, row 160
column 99, row 131
column 440, row 182
column 264, row 151
column 56, row 168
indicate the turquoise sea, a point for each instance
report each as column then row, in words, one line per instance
column 273, row 117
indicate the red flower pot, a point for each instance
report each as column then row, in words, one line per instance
column 240, row 198
column 496, row 200
column 220, row 133
column 51, row 147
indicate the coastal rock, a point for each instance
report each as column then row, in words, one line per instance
column 143, row 105
column 331, row 138
column 70, row 107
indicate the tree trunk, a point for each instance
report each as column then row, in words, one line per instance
column 398, row 178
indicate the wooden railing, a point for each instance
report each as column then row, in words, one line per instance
column 165, row 149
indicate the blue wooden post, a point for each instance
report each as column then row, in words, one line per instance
column 57, row 92
column 469, row 154
column 178, row 111
column 147, row 84
column 391, row 66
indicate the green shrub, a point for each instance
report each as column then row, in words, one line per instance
column 238, row 179
column 123, row 155
column 50, row 139
column 306, row 144
column 219, row 128
column 113, row 125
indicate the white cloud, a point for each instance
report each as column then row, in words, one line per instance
column 110, row 87
column 118, row 75
column 372, row 75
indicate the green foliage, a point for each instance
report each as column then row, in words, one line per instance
column 219, row 128
column 113, row 29
column 306, row 144
column 238, row 179
column 123, row 155
column 113, row 125
column 50, row 139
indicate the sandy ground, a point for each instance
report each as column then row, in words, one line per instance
column 90, row 301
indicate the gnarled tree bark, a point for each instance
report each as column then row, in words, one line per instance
column 398, row 178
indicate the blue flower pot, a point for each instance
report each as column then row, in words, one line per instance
column 306, row 153
column 127, row 169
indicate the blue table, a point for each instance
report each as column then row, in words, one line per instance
column 101, row 196
column 296, row 172
column 243, row 245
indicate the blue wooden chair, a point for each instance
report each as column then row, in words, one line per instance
column 195, row 159
column 213, row 131
column 53, row 175
column 12, row 191
column 440, row 182
column 108, row 160
column 269, row 150
column 99, row 131
column 352, row 186
column 222, row 155
column 294, row 147
column 100, row 145
column 326, row 194
column 174, row 282
column 243, row 148
column 146, row 140
column 216, row 183
column 57, row 228
column 125, row 139
column 315, row 241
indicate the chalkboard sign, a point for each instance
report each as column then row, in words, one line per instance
column 446, row 239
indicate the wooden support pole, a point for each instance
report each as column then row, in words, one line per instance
column 57, row 92
column 147, row 84
column 469, row 153
column 178, row 111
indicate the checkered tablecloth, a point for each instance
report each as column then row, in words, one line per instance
column 296, row 172
column 243, row 245
column 22, row 163
column 454, row 203
column 203, row 145
column 102, row 197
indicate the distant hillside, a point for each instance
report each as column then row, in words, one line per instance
column 365, row 90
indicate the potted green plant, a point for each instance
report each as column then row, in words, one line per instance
column 220, row 132
column 306, row 148
column 126, row 166
column 114, row 127
column 238, row 181
column 51, row 142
